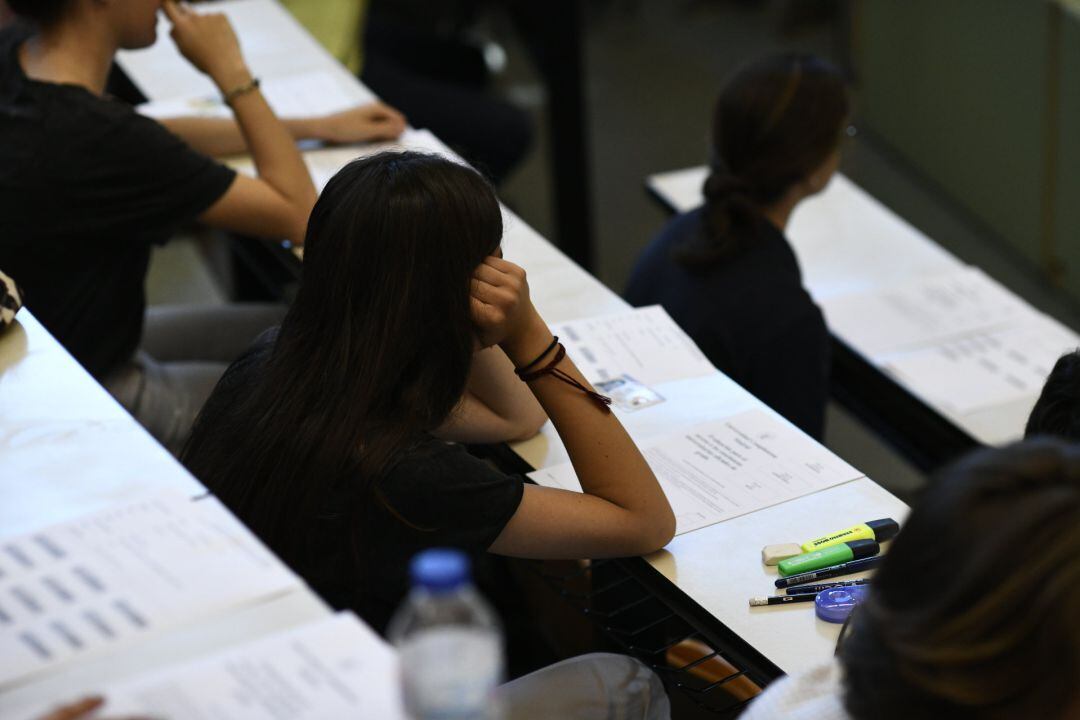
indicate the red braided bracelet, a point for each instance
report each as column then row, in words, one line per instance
column 603, row 401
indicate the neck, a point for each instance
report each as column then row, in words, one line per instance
column 779, row 212
column 75, row 53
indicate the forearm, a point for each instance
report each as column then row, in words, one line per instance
column 222, row 137
column 492, row 382
column 607, row 462
column 277, row 160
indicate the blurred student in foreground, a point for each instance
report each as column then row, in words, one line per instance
column 1057, row 411
column 975, row 613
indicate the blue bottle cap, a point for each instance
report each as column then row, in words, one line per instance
column 835, row 604
column 439, row 569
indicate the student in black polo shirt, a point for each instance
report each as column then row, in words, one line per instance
column 328, row 438
column 725, row 272
column 87, row 186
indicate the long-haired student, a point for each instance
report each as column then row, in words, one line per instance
column 725, row 272
column 329, row 437
column 974, row 613
column 88, row 186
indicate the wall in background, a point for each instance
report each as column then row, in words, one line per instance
column 960, row 89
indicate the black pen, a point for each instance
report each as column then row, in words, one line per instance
column 781, row 600
column 830, row 572
column 814, row 589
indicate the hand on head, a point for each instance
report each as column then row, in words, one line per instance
column 501, row 308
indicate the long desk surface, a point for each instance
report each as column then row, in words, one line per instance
column 718, row 568
column 848, row 242
column 68, row 449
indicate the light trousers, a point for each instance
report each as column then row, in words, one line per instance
column 185, row 350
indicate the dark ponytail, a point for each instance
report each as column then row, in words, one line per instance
column 776, row 121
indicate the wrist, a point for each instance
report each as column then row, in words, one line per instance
column 229, row 77
column 524, row 346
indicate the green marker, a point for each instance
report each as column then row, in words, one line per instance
column 827, row 557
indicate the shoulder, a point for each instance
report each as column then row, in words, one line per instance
column 814, row 695
column 244, row 372
column 440, row 485
column 657, row 260
column 430, row 460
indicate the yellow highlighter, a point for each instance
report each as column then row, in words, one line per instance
column 879, row 530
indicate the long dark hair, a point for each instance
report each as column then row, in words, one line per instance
column 775, row 122
column 373, row 353
column 975, row 612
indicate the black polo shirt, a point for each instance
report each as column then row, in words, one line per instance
column 87, row 185
column 749, row 314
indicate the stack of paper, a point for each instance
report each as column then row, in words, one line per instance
column 331, row 668
column 960, row 341
column 104, row 580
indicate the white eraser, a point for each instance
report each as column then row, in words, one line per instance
column 773, row 554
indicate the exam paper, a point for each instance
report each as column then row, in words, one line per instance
column 985, row 369
column 309, row 94
column 273, row 43
column 332, row 668
column 324, row 163
column 922, row 311
column 112, row 576
column 719, row 470
column 644, row 343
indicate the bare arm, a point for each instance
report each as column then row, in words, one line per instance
column 496, row 407
column 622, row 510
column 221, row 137
column 277, row 202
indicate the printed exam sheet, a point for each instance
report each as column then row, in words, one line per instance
column 331, row 668
column 109, row 577
column 644, row 343
column 725, row 468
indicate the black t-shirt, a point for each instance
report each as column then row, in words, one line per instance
column 750, row 315
column 436, row 495
column 87, row 185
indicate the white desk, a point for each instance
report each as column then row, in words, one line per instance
column 719, row 567
column 848, row 242
column 721, row 582
column 67, row 449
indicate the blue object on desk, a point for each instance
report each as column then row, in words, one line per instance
column 834, row 605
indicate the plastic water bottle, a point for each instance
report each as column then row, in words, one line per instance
column 449, row 641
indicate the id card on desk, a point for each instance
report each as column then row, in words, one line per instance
column 626, row 393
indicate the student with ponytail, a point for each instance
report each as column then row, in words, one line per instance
column 725, row 272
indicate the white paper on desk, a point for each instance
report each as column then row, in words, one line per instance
column 725, row 468
column 334, row 667
column 324, row 163
column 922, row 311
column 110, row 577
column 985, row 369
column 644, row 343
column 308, row 94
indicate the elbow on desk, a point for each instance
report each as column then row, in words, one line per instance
column 655, row 534
column 528, row 426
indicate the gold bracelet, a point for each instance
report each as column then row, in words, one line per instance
column 249, row 86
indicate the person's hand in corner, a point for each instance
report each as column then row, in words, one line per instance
column 84, row 709
column 365, row 123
